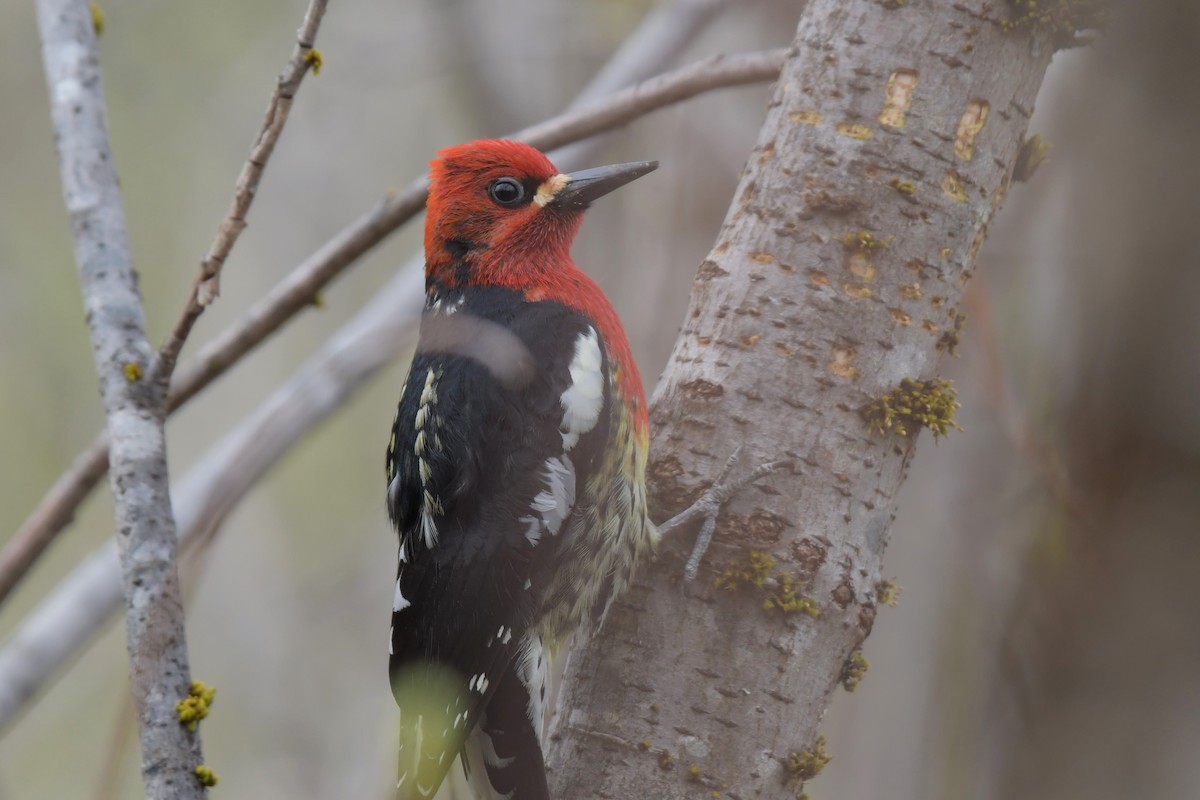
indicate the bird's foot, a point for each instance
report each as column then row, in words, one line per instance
column 708, row 506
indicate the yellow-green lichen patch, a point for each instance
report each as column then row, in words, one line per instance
column 1034, row 152
column 806, row 117
column 855, row 130
column 864, row 240
column 194, row 707
column 853, row 670
column 914, row 405
column 753, row 572
column 787, row 600
column 897, row 97
column 206, row 776
column 805, row 765
column 971, row 122
column 97, row 18
column 780, row 587
column 888, row 592
column 133, row 372
column 903, row 187
column 952, row 187
column 911, row 291
column 315, row 60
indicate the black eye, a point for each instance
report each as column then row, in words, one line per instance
column 507, row 192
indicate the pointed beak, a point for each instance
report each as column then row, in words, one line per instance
column 589, row 184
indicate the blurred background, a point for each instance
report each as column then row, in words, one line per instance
column 1045, row 645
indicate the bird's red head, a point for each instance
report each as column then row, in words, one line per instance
column 500, row 214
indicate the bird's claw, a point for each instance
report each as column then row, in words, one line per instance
column 708, row 506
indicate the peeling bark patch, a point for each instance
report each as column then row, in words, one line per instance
column 952, row 187
column 806, row 117
column 930, row 326
column 749, row 341
column 701, row 389
column 709, row 270
column 911, row 291
column 860, row 265
column 831, row 203
column 855, row 130
column 856, row 290
column 818, row 277
column 669, row 496
column 900, row 318
column 763, row 526
column 897, row 97
column 783, row 350
column 969, row 125
column 762, row 258
column 866, row 619
column 841, row 362
column 810, row 556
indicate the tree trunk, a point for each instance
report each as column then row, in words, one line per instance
column 888, row 146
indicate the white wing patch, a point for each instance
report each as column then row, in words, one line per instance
column 552, row 505
column 582, row 400
column 399, row 601
column 431, row 505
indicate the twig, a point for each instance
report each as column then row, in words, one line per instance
column 134, row 407
column 57, row 508
column 208, row 283
column 53, row 632
column 298, row 290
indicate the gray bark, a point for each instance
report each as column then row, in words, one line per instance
column 795, row 325
column 135, row 407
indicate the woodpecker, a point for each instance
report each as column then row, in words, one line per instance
column 515, row 468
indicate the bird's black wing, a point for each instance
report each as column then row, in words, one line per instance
column 481, row 479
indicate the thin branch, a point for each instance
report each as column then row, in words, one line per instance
column 135, row 407
column 298, row 290
column 70, row 617
column 208, row 283
column 57, row 508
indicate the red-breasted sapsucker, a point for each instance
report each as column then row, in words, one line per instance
column 516, row 466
